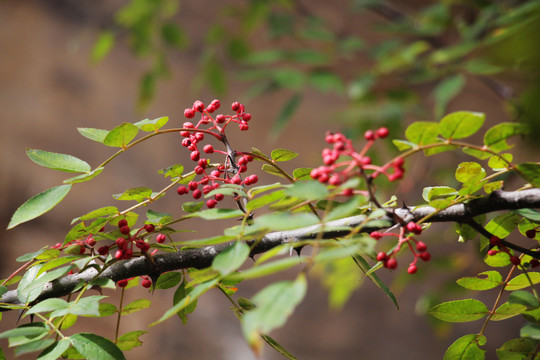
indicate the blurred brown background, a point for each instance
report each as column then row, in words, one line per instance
column 48, row 88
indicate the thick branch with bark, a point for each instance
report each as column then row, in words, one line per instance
column 201, row 258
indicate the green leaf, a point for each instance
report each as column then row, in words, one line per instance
column 459, row 310
column 32, row 285
column 302, row 173
column 57, row 161
column 522, row 281
column 87, row 306
column 500, row 259
column 98, row 135
column 172, row 171
column 32, row 346
column 39, row 205
column 507, row 310
column 282, row 155
column 28, row 330
column 529, row 214
column 95, row 347
column 484, row 281
column 308, row 190
column 265, row 200
column 497, row 163
column 326, row 81
column 502, row 225
column 168, row 280
column 529, row 172
column 402, row 145
column 130, row 340
column 286, row 113
column 55, row 351
column 181, row 292
column 530, row 331
column 265, row 269
column 121, row 135
column 470, row 172
column 517, row 349
column 191, row 297
column 466, row 348
column 192, row 207
column 285, row 221
column 445, row 91
column 274, row 304
column 495, row 137
column 276, row 346
column 482, row 155
column 272, row 170
column 135, row 306
column 174, row 35
column 150, row 125
column 461, row 124
column 231, row 258
column 102, row 46
column 103, row 211
column 422, row 132
column 138, row 194
column 347, row 209
column 524, row 298
column 215, row 214
column 84, row 177
column 47, row 306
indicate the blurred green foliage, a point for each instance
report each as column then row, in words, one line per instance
column 433, row 48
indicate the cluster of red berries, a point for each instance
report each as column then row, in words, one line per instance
column 145, row 282
column 417, row 248
column 83, row 245
column 497, row 242
column 226, row 173
column 125, row 244
column 336, row 170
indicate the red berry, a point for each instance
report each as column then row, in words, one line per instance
column 369, row 135
column 199, row 170
column 210, row 109
column 104, row 250
column 211, row 203
column 492, row 252
column 122, row 243
column 215, row 103
column 161, row 238
column 189, row 113
column 329, row 138
column 122, row 222
column 195, row 155
column 186, row 142
column 57, row 246
column 188, row 125
column 242, row 161
column 391, row 263
column 219, row 197
column 235, row 106
column 366, row 160
column 246, row 116
column 425, row 256
column 334, row 180
column 495, row 241
column 198, row 106
column 197, row 194
column 125, row 230
column 208, row 149
column 531, row 234
column 398, row 162
column 382, row 132
column 193, row 185
column 122, row 283
column 348, row 192
column 119, row 254
column 146, row 283
column 184, row 134
column 236, row 180
column 420, row 246
column 243, row 126
column 515, row 260
column 381, row 256
column 90, row 241
column 128, row 254
column 412, row 269
column 535, row 263
column 182, row 190
column 376, row 235
column 199, row 136
column 149, row 228
column 221, row 119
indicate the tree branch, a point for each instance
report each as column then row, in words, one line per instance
column 201, row 258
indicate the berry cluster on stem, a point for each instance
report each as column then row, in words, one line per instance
column 228, row 172
column 417, row 248
column 342, row 161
